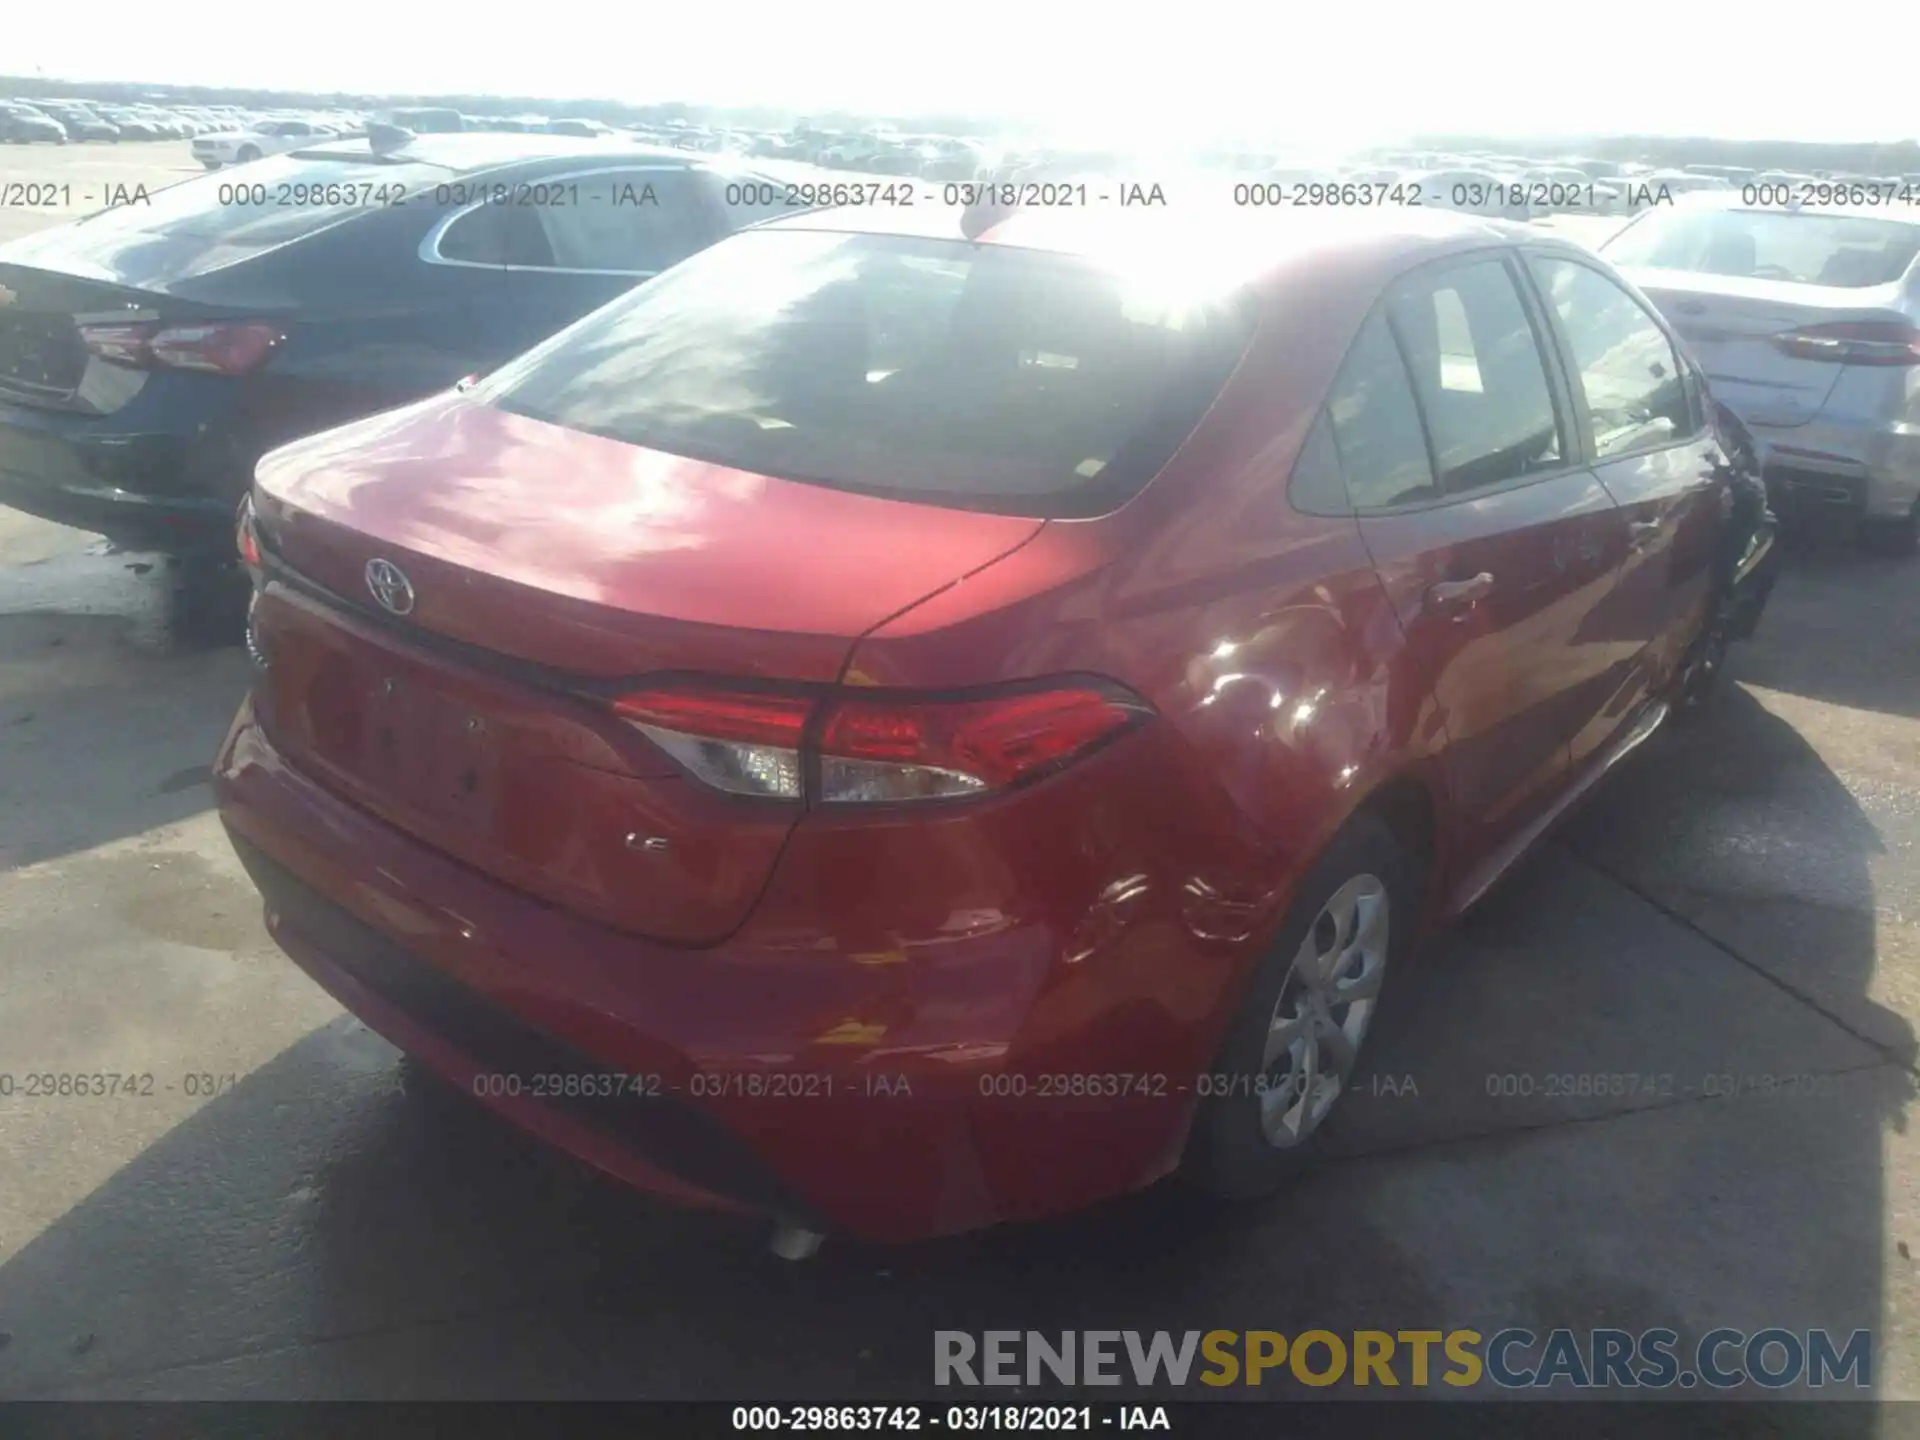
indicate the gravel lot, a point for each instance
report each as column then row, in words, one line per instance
column 1741, row 901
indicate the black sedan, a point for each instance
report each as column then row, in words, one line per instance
column 152, row 352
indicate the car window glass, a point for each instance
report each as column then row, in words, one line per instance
column 491, row 234
column 1376, row 427
column 1316, row 486
column 634, row 221
column 196, row 225
column 1808, row 247
column 1628, row 372
column 983, row 376
column 1479, row 376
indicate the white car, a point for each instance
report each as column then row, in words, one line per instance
column 268, row 137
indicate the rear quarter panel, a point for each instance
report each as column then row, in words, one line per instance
column 1267, row 646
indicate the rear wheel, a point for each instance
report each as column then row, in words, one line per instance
column 1293, row 1046
column 248, row 152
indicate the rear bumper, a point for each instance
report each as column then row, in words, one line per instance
column 168, row 489
column 892, row 1091
column 654, row 1139
column 1845, row 473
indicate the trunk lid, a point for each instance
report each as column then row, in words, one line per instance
column 547, row 569
column 1730, row 323
column 42, row 360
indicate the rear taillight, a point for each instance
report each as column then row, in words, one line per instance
column 871, row 747
column 247, row 537
column 745, row 742
column 222, row 348
column 1855, row 342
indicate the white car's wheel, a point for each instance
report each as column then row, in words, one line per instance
column 248, row 152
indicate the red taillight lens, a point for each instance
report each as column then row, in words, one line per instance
column 1855, row 342
column 225, row 348
column 882, row 750
column 246, row 538
column 875, row 748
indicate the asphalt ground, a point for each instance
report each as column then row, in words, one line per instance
column 1737, row 910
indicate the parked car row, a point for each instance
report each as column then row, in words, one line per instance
column 61, row 120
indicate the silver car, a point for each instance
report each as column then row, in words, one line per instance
column 1807, row 322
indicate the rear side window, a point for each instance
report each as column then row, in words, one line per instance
column 635, row 222
column 1479, row 376
column 1317, row 486
column 1376, row 425
column 631, row 221
column 977, row 376
column 495, row 235
column 1808, row 247
column 1629, row 374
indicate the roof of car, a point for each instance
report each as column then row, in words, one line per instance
column 489, row 150
column 1239, row 245
column 1897, row 206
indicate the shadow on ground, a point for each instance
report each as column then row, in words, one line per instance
column 118, row 676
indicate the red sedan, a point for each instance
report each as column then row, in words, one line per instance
column 907, row 723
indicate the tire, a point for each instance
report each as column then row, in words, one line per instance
column 1228, row 1150
column 210, row 164
column 248, row 152
column 1898, row 538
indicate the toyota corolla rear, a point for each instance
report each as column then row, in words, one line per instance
column 562, row 768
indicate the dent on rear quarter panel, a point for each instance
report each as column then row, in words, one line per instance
column 1124, row 899
column 1261, row 635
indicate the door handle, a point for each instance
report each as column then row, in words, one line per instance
column 1457, row 597
column 1642, row 533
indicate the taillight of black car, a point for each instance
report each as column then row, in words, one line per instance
column 224, row 347
column 859, row 747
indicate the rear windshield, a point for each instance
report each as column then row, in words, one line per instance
column 1809, row 247
column 978, row 376
column 270, row 201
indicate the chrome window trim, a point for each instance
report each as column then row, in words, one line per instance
column 429, row 251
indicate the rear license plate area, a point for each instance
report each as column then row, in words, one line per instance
column 429, row 752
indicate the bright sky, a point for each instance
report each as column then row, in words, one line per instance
column 1332, row 72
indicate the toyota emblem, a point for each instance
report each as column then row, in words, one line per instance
column 390, row 587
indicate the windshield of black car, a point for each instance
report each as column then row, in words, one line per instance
column 1808, row 247
column 977, row 376
column 271, row 201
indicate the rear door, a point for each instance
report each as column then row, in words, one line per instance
column 1645, row 428
column 1494, row 544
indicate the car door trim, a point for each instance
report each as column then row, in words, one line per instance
column 430, row 243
